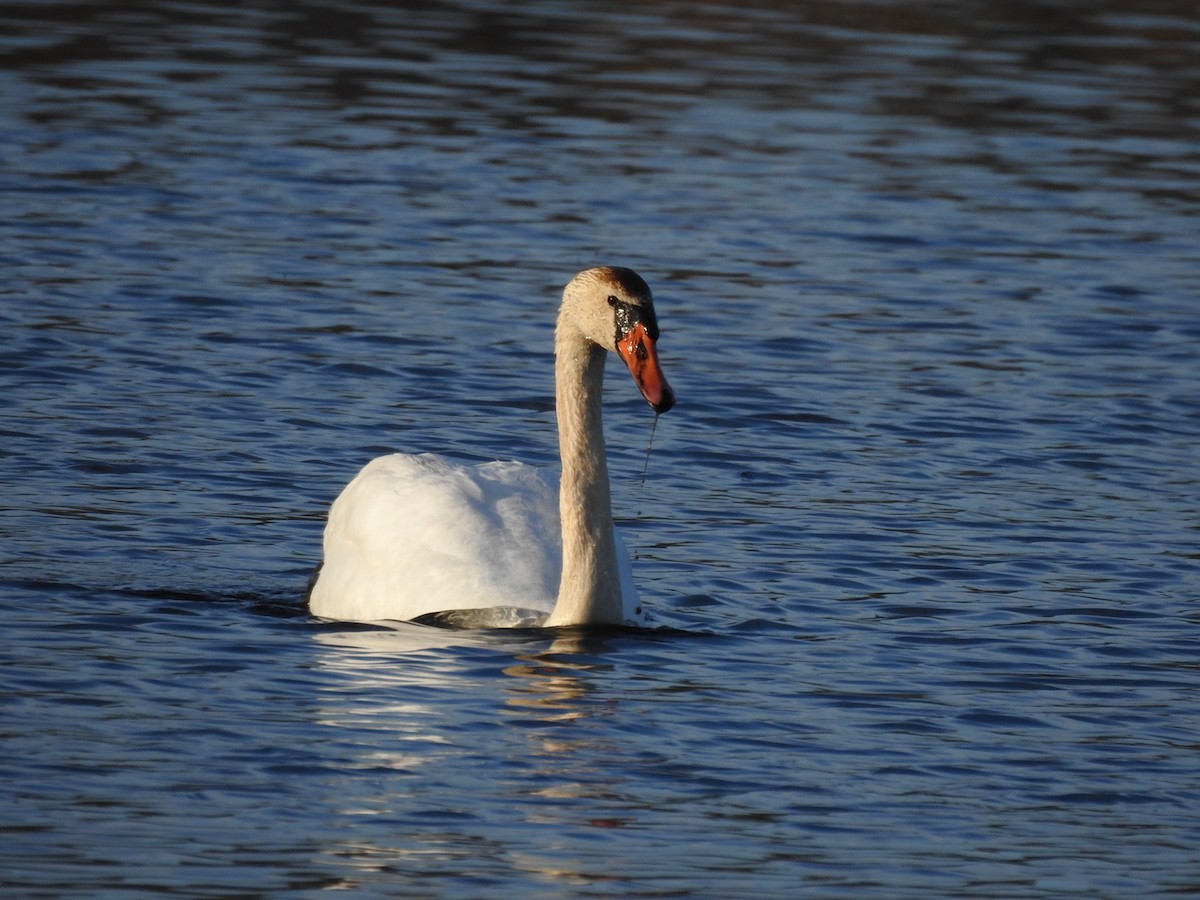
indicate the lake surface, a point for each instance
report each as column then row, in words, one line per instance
column 920, row 541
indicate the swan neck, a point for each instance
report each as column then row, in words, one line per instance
column 589, row 592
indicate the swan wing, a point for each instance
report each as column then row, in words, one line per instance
column 413, row 535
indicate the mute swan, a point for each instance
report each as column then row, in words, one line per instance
column 415, row 535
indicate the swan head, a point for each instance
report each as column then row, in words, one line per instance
column 612, row 307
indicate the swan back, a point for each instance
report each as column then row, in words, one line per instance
column 413, row 535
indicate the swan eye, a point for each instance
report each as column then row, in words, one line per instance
column 629, row 314
column 623, row 313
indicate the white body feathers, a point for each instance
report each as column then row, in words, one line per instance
column 413, row 535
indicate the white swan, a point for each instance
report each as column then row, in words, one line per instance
column 414, row 535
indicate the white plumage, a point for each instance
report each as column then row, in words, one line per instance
column 432, row 535
column 415, row 535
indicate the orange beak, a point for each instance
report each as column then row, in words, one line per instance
column 637, row 349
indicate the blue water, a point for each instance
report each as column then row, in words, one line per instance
column 920, row 541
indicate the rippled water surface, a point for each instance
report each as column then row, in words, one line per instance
column 920, row 539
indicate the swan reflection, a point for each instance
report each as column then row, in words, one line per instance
column 461, row 736
column 413, row 694
column 552, row 682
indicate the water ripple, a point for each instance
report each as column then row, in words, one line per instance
column 919, row 540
